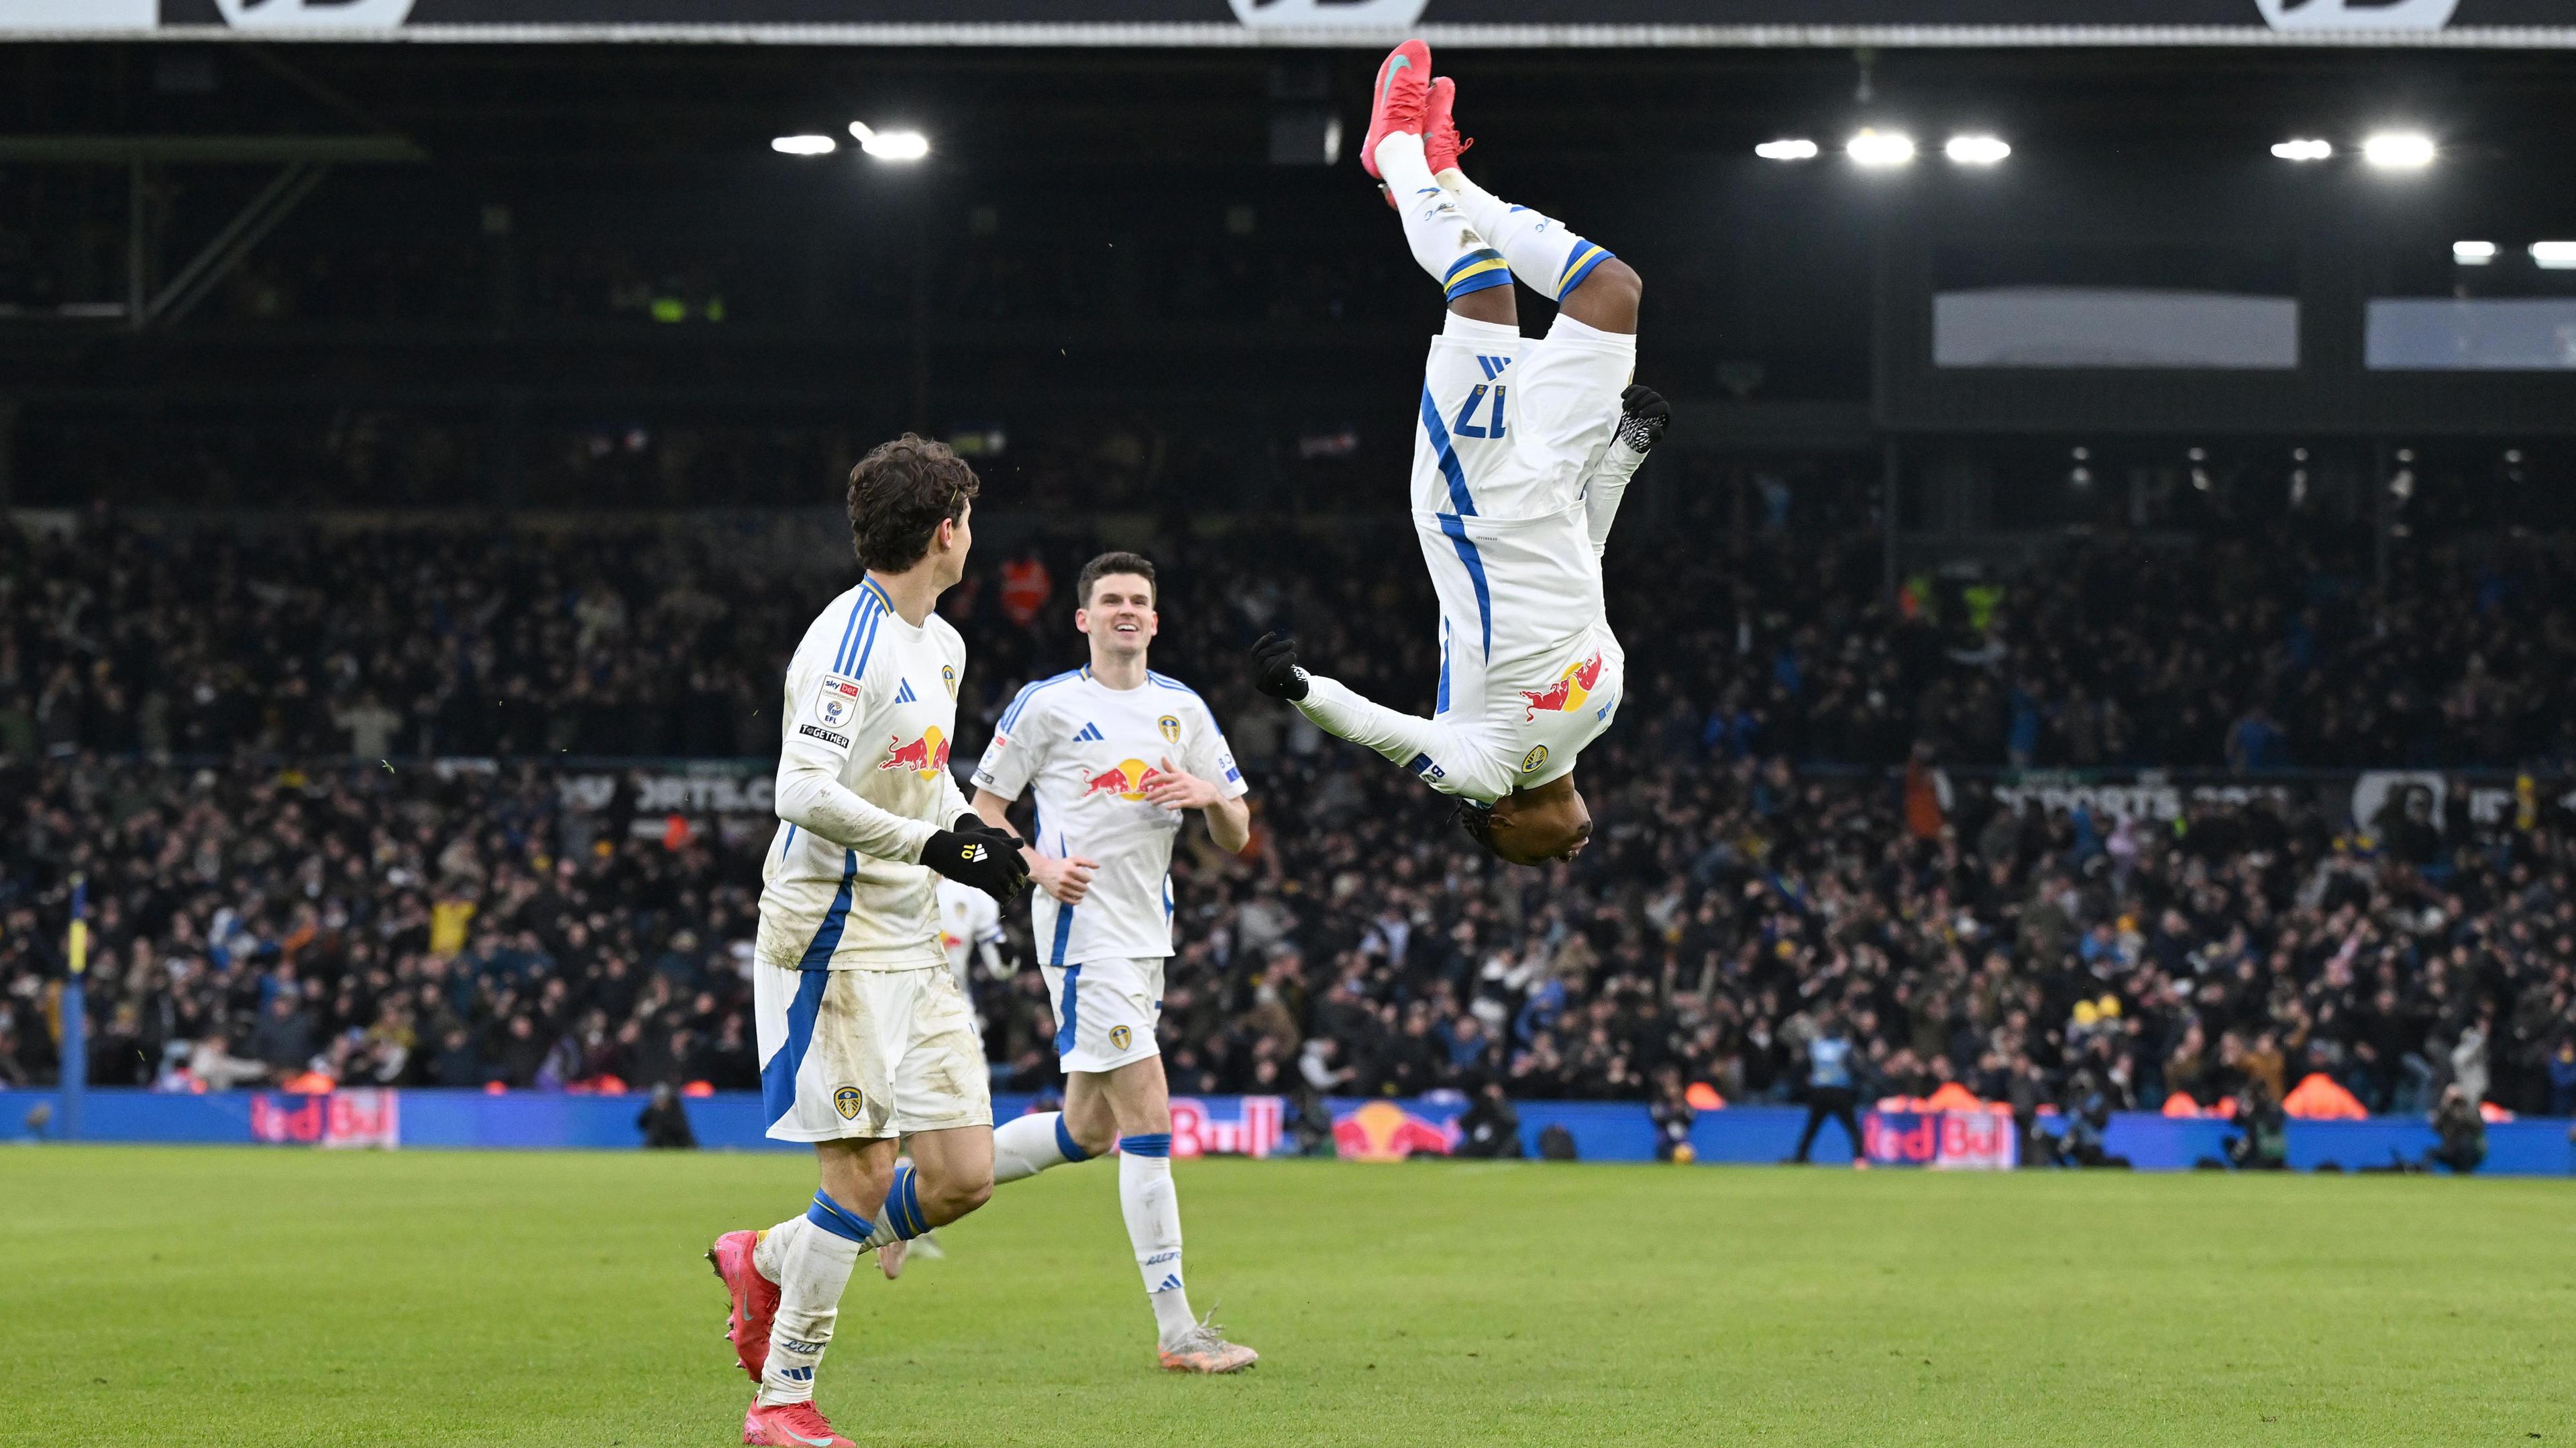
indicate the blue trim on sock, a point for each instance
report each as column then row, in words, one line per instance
column 1480, row 282
column 1589, row 264
column 1475, row 272
column 903, row 1204
column 1065, row 1143
column 1152, row 1143
column 839, row 1220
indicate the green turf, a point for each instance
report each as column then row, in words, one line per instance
column 238, row 1297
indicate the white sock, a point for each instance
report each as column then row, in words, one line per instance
column 1152, row 1206
column 1607, row 484
column 1443, row 241
column 769, row 1255
column 1027, row 1145
column 1545, row 254
column 814, row 1270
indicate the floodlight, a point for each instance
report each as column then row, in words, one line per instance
column 1880, row 148
column 2398, row 150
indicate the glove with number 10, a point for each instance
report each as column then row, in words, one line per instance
column 977, row 854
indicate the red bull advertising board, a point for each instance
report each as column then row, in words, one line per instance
column 1942, row 1140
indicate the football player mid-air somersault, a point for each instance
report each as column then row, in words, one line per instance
column 1522, row 453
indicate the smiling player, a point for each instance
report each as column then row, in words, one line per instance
column 1120, row 757
column 1522, row 453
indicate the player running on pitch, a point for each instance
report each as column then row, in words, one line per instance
column 1522, row 453
column 1118, row 755
column 864, row 1036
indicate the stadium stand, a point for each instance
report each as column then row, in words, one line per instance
column 382, row 804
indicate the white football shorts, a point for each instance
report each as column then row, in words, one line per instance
column 867, row 1054
column 1105, row 1011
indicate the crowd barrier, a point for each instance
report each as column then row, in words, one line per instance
column 1232, row 1126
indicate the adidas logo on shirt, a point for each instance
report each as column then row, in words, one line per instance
column 903, row 692
column 1090, row 735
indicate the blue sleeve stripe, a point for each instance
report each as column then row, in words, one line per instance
column 1011, row 716
column 858, row 606
column 1438, row 431
column 1019, row 701
column 1168, row 682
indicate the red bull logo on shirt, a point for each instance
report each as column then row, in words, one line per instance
column 1129, row 780
column 925, row 756
column 1565, row 695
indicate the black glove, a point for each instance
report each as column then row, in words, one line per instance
column 1643, row 416
column 971, row 823
column 989, row 862
column 1274, row 667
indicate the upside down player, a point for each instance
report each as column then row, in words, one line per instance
column 865, row 1037
column 1522, row 454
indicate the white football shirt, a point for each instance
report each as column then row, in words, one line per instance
column 1090, row 751
column 872, row 704
column 1509, row 434
column 968, row 920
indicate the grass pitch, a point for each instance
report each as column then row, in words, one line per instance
column 245, row 1297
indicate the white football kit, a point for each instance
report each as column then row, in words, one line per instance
column 1508, row 433
column 862, row 1029
column 1091, row 751
column 970, row 923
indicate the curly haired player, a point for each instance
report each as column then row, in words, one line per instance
column 865, row 1039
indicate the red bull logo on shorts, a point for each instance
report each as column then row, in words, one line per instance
column 926, row 756
column 1129, row 780
column 1565, row 695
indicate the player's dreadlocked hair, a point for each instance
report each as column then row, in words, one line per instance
column 1477, row 819
column 899, row 495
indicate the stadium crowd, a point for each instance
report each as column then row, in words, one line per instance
column 2254, row 653
column 260, row 913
